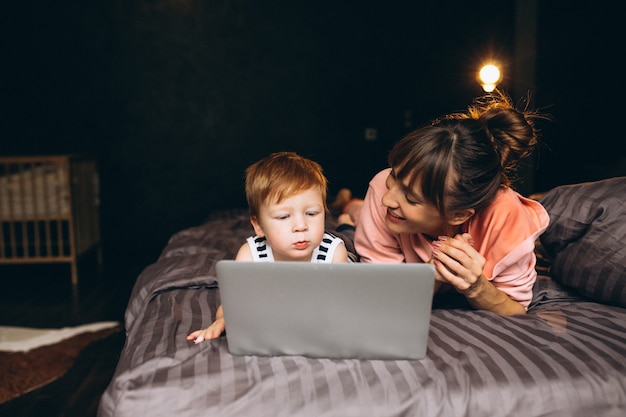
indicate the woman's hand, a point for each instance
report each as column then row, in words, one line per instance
column 457, row 262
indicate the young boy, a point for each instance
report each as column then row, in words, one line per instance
column 286, row 195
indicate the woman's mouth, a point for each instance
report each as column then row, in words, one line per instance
column 393, row 218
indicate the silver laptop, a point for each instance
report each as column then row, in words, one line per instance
column 338, row 311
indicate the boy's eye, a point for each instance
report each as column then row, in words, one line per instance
column 312, row 213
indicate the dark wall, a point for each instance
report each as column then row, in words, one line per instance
column 175, row 98
column 580, row 81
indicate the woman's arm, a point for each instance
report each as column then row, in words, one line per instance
column 460, row 265
column 483, row 295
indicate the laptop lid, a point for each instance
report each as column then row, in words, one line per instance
column 341, row 310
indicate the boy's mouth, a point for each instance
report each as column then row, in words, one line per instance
column 301, row 245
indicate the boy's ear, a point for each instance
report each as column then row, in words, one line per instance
column 258, row 230
column 460, row 217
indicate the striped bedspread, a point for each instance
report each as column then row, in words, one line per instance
column 566, row 357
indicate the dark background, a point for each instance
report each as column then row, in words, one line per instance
column 175, row 98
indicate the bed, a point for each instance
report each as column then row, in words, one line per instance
column 566, row 357
column 48, row 210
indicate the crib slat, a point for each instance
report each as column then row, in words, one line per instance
column 48, row 210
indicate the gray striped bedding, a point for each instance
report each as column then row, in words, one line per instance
column 566, row 357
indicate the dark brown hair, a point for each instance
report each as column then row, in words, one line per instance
column 461, row 160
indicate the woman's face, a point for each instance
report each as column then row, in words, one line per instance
column 408, row 211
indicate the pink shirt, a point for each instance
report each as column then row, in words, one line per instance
column 504, row 233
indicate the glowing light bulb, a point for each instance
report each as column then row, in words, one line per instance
column 489, row 76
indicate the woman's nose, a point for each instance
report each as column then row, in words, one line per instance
column 390, row 198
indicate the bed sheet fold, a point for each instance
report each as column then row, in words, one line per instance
column 563, row 358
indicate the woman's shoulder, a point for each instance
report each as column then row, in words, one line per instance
column 380, row 178
column 507, row 229
column 508, row 198
column 509, row 209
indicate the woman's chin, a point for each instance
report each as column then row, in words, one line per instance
column 395, row 225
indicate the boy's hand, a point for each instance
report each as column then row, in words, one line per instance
column 211, row 332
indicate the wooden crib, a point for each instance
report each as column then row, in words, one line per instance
column 49, row 210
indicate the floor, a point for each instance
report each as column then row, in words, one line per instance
column 42, row 296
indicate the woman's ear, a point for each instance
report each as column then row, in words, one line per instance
column 258, row 230
column 460, row 217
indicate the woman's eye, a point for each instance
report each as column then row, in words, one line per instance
column 408, row 200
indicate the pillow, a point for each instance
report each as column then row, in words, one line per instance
column 586, row 238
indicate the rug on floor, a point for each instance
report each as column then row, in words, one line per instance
column 31, row 358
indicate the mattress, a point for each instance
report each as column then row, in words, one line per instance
column 567, row 356
column 36, row 192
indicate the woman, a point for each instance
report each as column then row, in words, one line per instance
column 447, row 199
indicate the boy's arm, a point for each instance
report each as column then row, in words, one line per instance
column 213, row 331
column 341, row 254
column 244, row 253
column 218, row 326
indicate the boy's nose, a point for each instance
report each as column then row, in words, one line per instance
column 300, row 224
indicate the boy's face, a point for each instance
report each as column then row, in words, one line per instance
column 294, row 227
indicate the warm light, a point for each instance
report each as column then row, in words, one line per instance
column 489, row 74
column 489, row 77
